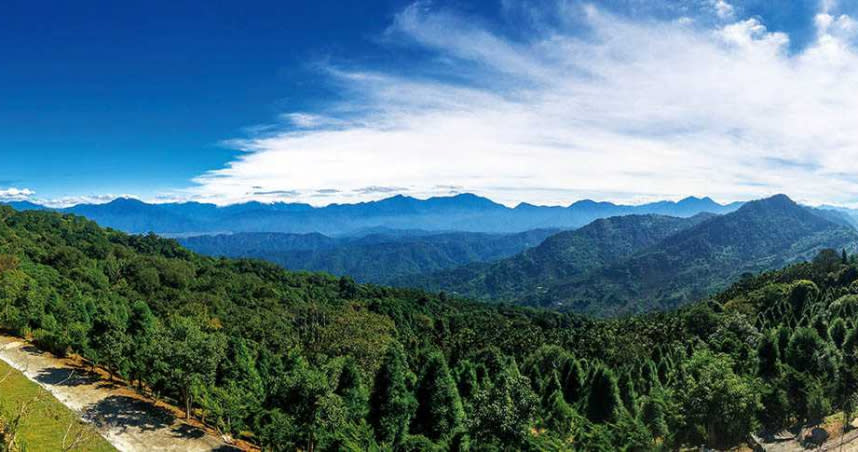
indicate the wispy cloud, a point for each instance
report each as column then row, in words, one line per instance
column 592, row 103
column 68, row 201
column 15, row 194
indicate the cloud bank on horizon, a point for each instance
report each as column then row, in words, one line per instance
column 569, row 100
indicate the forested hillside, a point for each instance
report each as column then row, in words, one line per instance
column 762, row 235
column 601, row 274
column 562, row 256
column 317, row 363
column 377, row 258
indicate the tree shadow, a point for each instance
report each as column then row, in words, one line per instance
column 61, row 376
column 32, row 350
column 188, row 431
column 815, row 437
column 125, row 412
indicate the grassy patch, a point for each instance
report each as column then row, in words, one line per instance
column 47, row 420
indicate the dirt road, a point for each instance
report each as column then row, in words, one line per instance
column 128, row 421
column 845, row 443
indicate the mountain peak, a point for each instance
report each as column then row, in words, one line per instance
column 126, row 201
column 467, row 200
column 779, row 201
column 589, row 203
column 696, row 200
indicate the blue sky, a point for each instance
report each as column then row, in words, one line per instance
column 340, row 101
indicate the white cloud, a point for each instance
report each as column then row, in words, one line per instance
column 723, row 9
column 629, row 111
column 68, row 201
column 15, row 194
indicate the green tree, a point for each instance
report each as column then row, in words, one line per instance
column 573, row 381
column 768, row 357
column 143, row 328
column 317, row 410
column 559, row 415
column 776, row 411
column 351, row 389
column 109, row 339
column 191, row 354
column 808, row 353
column 628, row 394
column 439, row 409
column 392, row 403
column 603, row 400
column 800, row 295
column 653, row 415
column 837, row 332
column 718, row 406
column 503, row 412
column 466, row 380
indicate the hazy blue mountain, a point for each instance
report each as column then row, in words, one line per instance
column 464, row 212
column 678, row 268
column 24, row 205
column 840, row 215
column 377, row 257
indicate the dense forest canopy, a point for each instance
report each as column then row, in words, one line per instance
column 564, row 256
column 378, row 257
column 309, row 361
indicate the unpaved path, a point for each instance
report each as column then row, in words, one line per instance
column 128, row 421
column 847, row 442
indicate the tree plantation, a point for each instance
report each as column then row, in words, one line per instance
column 308, row 361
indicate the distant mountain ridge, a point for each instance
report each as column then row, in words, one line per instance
column 464, row 212
column 681, row 267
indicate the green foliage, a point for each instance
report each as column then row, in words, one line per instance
column 718, row 406
column 653, row 415
column 768, row 357
column 603, row 401
column 392, row 403
column 439, row 409
column 378, row 258
column 561, row 257
column 503, row 413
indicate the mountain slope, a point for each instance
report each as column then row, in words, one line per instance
column 693, row 263
column 378, row 257
column 560, row 257
column 632, row 264
column 464, row 212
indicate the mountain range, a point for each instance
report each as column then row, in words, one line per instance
column 591, row 257
column 464, row 212
column 633, row 264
